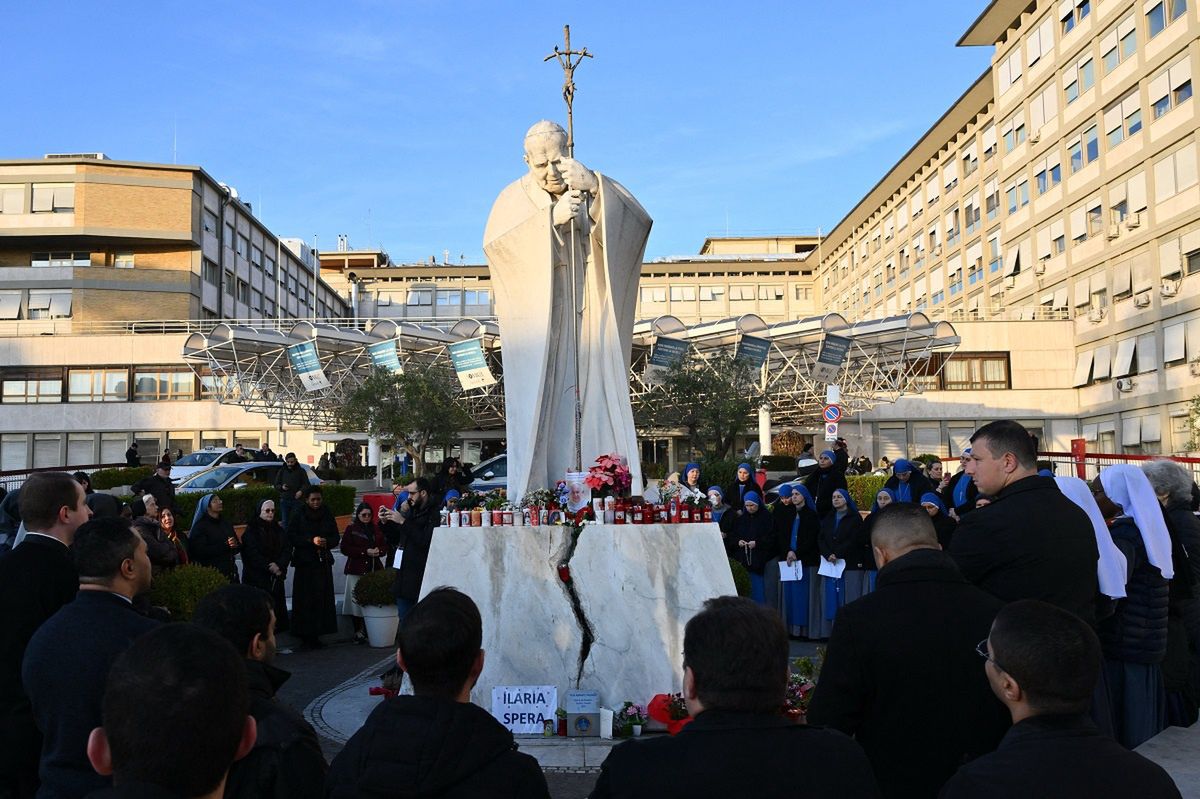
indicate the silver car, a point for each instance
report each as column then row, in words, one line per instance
column 239, row 475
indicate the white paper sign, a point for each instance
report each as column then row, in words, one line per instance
column 789, row 573
column 834, row 569
column 524, row 709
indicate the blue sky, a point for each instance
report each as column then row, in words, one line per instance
column 397, row 123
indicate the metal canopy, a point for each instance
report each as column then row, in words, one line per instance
column 250, row 367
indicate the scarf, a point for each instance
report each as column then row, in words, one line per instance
column 960, row 489
column 875, row 505
column 1129, row 487
column 201, row 510
column 934, row 499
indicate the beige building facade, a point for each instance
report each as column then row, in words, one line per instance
column 1058, row 200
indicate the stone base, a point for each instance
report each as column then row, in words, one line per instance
column 637, row 586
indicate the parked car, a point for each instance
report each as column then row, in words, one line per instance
column 203, row 459
column 239, row 475
column 491, row 474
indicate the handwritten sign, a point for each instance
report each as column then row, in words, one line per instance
column 524, row 709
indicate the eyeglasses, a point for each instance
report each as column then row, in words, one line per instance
column 982, row 650
column 268, row 510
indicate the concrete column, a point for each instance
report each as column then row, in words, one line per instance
column 373, row 457
column 764, row 429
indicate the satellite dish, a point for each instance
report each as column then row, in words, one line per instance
column 752, row 451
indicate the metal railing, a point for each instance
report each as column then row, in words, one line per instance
column 1087, row 465
column 16, row 478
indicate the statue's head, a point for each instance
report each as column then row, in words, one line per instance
column 546, row 154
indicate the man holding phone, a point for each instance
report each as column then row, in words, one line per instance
column 410, row 528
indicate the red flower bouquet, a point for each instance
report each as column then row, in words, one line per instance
column 610, row 475
column 669, row 709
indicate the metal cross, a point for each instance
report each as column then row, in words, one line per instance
column 569, row 59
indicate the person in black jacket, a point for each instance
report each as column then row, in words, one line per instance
column 844, row 536
column 961, row 492
column 752, row 543
column 796, row 528
column 176, row 715
column 1134, row 638
column 907, row 483
column 132, row 458
column 736, row 492
column 1043, row 662
column 932, row 504
column 735, row 665
column 450, row 478
column 1030, row 542
column 290, row 482
column 67, row 662
column 266, row 554
column 822, row 482
column 411, row 528
column 36, row 579
column 286, row 761
column 945, row 714
column 436, row 742
column 159, row 484
column 312, row 533
column 212, row 540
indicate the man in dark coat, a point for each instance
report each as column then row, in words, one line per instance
column 312, row 532
column 67, row 662
column 1043, row 663
column 36, row 579
column 159, row 484
column 286, row 761
column 910, row 691
column 435, row 742
column 176, row 715
column 1031, row 542
column 132, row 458
column 414, row 533
column 735, row 667
column 290, row 482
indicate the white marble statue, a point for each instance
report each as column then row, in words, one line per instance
column 529, row 244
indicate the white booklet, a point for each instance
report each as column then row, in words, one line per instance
column 790, row 572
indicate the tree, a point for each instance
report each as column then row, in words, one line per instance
column 414, row 410
column 712, row 400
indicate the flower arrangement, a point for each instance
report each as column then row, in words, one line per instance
column 630, row 715
column 610, row 475
column 539, row 498
column 801, row 682
column 669, row 709
column 669, row 490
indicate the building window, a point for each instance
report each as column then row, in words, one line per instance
column 163, row 384
column 243, row 291
column 477, row 297
column 451, row 298
column 652, row 294
column 1171, row 87
column 768, row 293
column 48, row 304
column 97, row 385
column 1123, row 119
column 1119, row 44
column 53, row 198
column 29, row 387
column 123, row 260
column 716, row 293
column 1162, row 14
column 1078, row 79
column 1084, row 149
column 229, row 282
column 269, row 268
column 683, row 293
column 47, row 259
column 210, row 272
column 1049, row 173
column 256, row 256
column 209, row 222
column 985, row 372
column 243, row 246
column 12, row 198
column 420, row 297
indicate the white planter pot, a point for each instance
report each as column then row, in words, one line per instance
column 381, row 622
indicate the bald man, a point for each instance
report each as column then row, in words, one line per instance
column 901, row 673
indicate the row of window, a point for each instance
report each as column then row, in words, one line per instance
column 449, row 298
column 35, row 304
column 106, row 384
column 970, row 371
column 44, row 198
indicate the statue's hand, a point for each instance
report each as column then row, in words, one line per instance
column 567, row 206
column 578, row 176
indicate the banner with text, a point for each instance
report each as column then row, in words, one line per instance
column 753, row 350
column 666, row 353
column 386, row 355
column 470, row 364
column 524, row 709
column 307, row 366
column 830, row 359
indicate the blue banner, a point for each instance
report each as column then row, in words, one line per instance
column 386, row 355
column 753, row 350
column 306, row 364
column 470, row 364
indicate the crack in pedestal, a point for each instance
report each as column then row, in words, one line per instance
column 586, row 634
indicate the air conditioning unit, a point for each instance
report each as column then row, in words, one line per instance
column 1141, row 300
column 1114, row 231
column 1125, row 384
column 1194, row 368
column 1096, row 315
column 937, row 251
column 1133, row 220
column 1035, row 137
column 1169, row 288
column 1040, row 267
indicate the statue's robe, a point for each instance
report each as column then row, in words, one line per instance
column 529, row 259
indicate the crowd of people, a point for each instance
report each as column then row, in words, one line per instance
column 995, row 632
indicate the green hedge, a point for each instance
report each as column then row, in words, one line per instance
column 718, row 473
column 741, row 577
column 179, row 590
column 864, row 487
column 376, row 588
column 241, row 502
column 104, row 479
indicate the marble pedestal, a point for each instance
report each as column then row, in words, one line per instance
column 637, row 586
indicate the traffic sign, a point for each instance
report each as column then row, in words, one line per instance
column 831, row 431
column 832, row 413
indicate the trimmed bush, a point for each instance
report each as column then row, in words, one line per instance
column 864, row 487
column 179, row 590
column 376, row 588
column 741, row 577
column 241, row 502
column 718, row 473
column 104, row 479
column 339, row 499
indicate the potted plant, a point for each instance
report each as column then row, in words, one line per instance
column 179, row 590
column 561, row 715
column 374, row 593
column 630, row 718
column 801, row 681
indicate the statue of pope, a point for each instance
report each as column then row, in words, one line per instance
column 534, row 252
